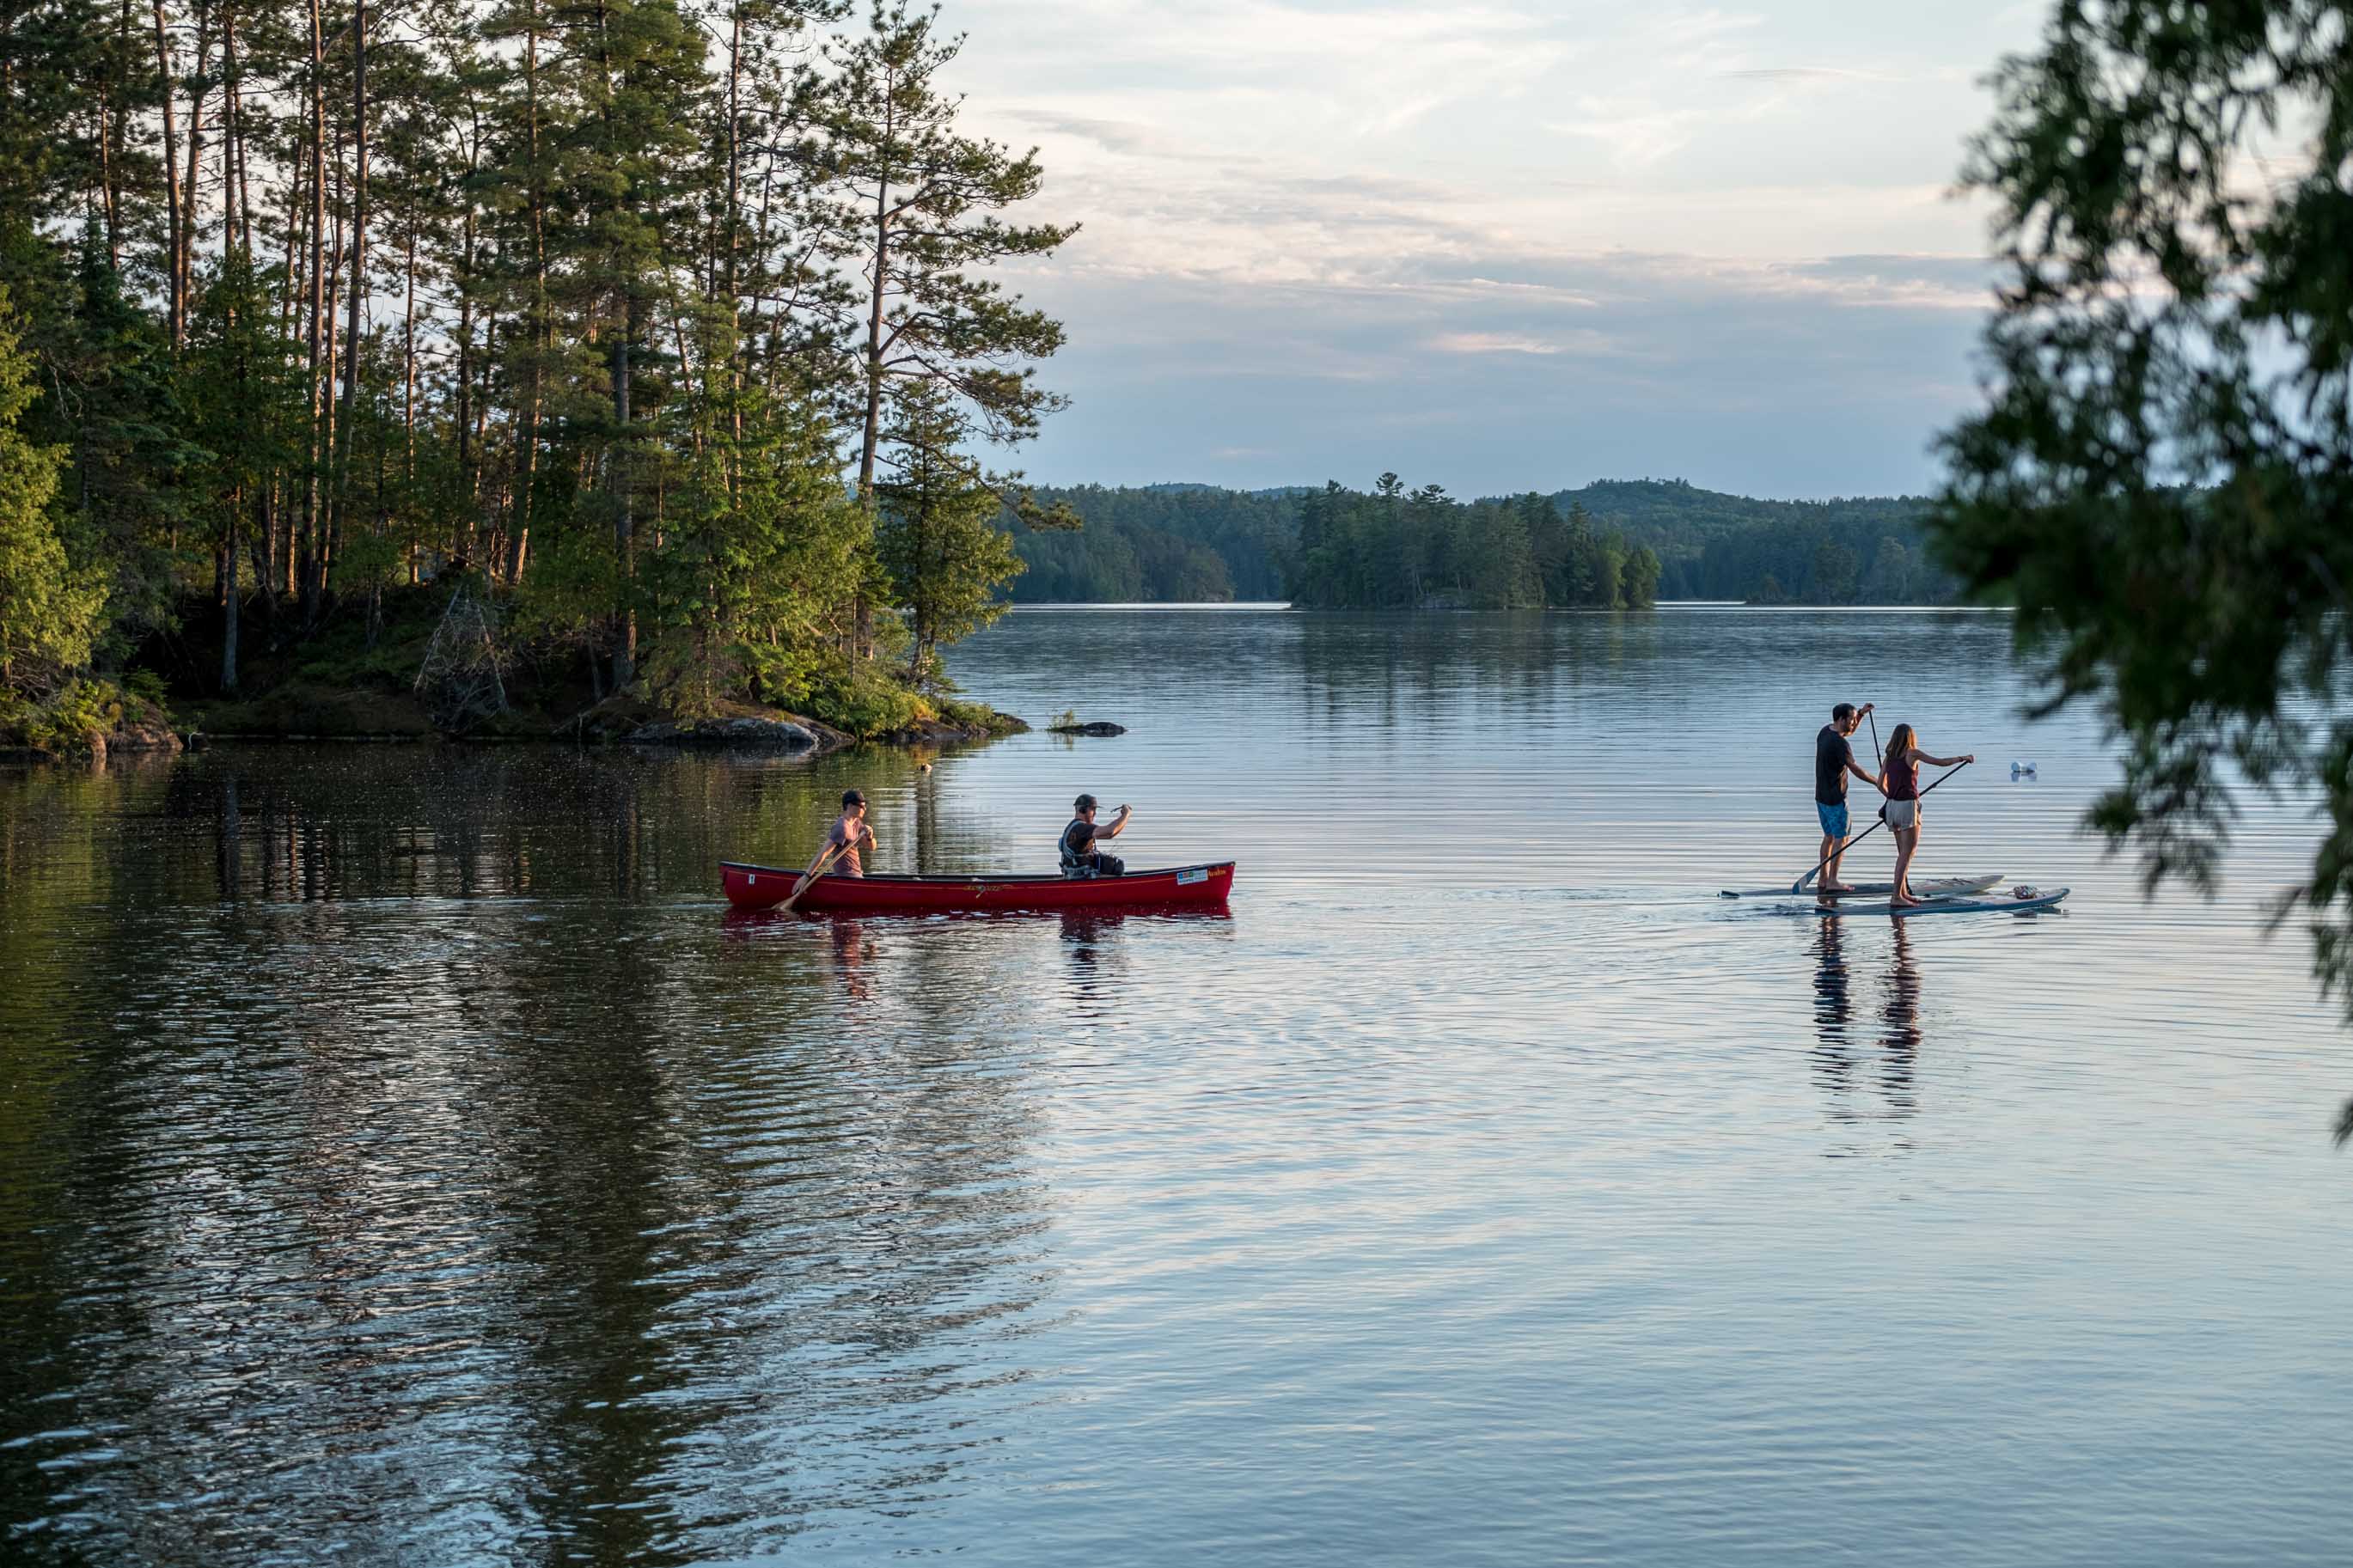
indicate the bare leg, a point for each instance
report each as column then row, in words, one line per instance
column 1907, row 839
column 1828, row 858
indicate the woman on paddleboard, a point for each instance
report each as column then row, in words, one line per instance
column 1900, row 783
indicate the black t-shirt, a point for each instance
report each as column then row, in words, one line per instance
column 1832, row 754
column 1077, row 839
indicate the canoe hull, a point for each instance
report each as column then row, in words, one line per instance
column 764, row 887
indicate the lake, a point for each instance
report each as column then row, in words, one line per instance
column 404, row 1158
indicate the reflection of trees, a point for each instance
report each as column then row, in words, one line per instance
column 485, row 1204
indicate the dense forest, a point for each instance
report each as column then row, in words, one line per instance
column 1717, row 546
column 1158, row 543
column 1398, row 549
column 663, row 325
column 1613, row 543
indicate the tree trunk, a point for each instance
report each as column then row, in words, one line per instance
column 358, row 288
column 538, row 337
column 178, row 307
column 307, row 549
column 185, row 262
column 234, row 166
column 625, row 654
column 229, row 605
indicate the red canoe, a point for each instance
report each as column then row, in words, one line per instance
column 764, row 887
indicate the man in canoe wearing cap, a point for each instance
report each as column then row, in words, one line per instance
column 1834, row 760
column 843, row 839
column 1080, row 856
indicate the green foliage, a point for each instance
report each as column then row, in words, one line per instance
column 69, row 722
column 936, row 534
column 610, row 354
column 49, row 604
column 1392, row 549
column 2162, row 478
column 861, row 700
column 1159, row 544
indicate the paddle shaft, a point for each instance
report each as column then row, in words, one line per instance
column 1800, row 885
column 825, row 863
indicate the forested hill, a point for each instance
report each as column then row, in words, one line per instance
column 1867, row 550
column 1165, row 543
column 1390, row 547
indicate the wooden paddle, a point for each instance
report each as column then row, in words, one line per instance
column 1800, row 885
column 824, row 864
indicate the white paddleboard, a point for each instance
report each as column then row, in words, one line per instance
column 2040, row 900
column 1923, row 887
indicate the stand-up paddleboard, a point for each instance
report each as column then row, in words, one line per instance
column 1923, row 887
column 2035, row 898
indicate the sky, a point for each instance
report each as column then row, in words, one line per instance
column 1499, row 247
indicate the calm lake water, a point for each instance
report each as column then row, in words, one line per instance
column 404, row 1160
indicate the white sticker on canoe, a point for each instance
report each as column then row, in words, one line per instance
column 1198, row 874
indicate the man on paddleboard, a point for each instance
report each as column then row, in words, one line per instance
column 1834, row 760
column 843, row 839
column 1080, row 856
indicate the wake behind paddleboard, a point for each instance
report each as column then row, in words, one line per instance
column 2038, row 900
column 1925, row 887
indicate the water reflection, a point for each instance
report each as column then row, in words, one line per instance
column 853, row 951
column 1843, row 1067
column 399, row 1154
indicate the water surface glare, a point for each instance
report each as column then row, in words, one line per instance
column 404, row 1159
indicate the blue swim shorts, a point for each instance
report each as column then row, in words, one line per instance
column 1833, row 818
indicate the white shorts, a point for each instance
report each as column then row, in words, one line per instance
column 1902, row 813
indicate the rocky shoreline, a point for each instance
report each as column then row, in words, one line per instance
column 300, row 714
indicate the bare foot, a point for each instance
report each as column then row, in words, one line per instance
column 1906, row 901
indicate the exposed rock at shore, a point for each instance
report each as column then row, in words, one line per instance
column 149, row 731
column 1094, row 727
column 951, row 732
column 142, row 729
column 743, row 733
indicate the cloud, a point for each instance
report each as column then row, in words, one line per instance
column 1314, row 228
column 1796, row 73
column 1491, row 343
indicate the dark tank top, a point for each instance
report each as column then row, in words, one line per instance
column 1904, row 781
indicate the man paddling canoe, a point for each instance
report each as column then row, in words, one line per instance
column 1834, row 760
column 1080, row 856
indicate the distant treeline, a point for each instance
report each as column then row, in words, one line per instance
column 1161, row 543
column 1399, row 550
column 1615, row 543
column 1866, row 550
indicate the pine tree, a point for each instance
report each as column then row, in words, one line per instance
column 937, row 536
column 912, row 204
